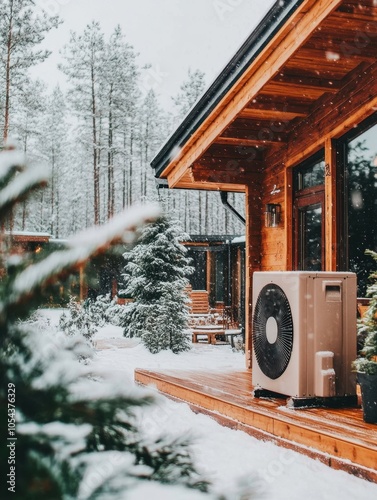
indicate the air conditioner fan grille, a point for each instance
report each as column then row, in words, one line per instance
column 272, row 358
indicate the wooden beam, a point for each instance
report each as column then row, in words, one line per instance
column 323, row 57
column 253, row 257
column 246, row 161
column 212, row 186
column 297, row 89
column 271, row 114
column 288, row 219
column 356, row 44
column 224, row 176
column 333, row 118
column 331, row 253
column 222, row 153
column 239, row 141
column 284, row 44
column 317, row 84
column 357, row 22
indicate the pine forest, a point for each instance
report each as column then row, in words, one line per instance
column 99, row 134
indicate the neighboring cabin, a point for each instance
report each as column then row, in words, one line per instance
column 218, row 263
column 38, row 245
column 292, row 122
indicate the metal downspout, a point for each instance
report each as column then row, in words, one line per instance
column 228, row 206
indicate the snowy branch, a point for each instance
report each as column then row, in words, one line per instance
column 81, row 247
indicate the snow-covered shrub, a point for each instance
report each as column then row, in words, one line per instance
column 239, row 344
column 156, row 276
column 105, row 310
column 115, row 312
column 86, row 317
column 77, row 320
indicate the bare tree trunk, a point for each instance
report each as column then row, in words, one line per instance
column 110, row 166
column 187, row 213
column 95, row 154
column 206, row 214
column 7, row 74
column 124, row 180
column 146, row 152
column 130, row 200
column 200, row 214
column 52, row 191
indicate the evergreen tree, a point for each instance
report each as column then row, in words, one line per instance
column 367, row 328
column 27, row 123
column 151, row 128
column 54, row 146
column 21, row 31
column 70, row 424
column 120, row 75
column 84, row 57
column 191, row 90
column 156, row 272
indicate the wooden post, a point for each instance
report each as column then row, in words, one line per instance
column 83, row 286
column 253, row 257
column 331, row 243
column 288, row 219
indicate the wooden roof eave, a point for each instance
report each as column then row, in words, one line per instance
column 297, row 29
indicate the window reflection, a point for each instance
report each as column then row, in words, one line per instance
column 311, row 239
column 312, row 176
column 362, row 204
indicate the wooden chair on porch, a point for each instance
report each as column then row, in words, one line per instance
column 204, row 321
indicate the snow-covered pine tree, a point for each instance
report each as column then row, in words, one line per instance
column 77, row 436
column 156, row 276
column 55, row 149
column 84, row 56
column 78, row 320
column 22, row 29
column 191, row 90
column 120, row 75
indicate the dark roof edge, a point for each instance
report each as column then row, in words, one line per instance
column 249, row 50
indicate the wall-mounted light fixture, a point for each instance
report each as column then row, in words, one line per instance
column 272, row 214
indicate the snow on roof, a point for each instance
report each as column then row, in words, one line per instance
column 239, row 239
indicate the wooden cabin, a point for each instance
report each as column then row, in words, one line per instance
column 291, row 121
column 35, row 244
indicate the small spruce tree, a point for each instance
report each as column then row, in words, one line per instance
column 156, row 276
column 68, row 433
column 367, row 328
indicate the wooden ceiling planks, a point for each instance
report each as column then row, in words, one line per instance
column 318, row 68
column 314, row 73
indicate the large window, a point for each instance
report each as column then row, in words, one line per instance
column 308, row 213
column 198, row 279
column 361, row 196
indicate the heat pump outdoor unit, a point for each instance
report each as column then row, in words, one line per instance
column 304, row 334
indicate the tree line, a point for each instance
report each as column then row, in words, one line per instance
column 98, row 136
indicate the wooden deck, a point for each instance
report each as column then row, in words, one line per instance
column 338, row 437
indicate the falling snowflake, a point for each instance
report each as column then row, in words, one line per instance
column 332, row 56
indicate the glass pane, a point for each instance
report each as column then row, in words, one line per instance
column 362, row 205
column 198, row 279
column 313, row 176
column 219, row 262
column 311, row 238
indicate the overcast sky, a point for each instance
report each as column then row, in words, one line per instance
column 171, row 35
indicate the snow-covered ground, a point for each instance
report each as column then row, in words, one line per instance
column 225, row 456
